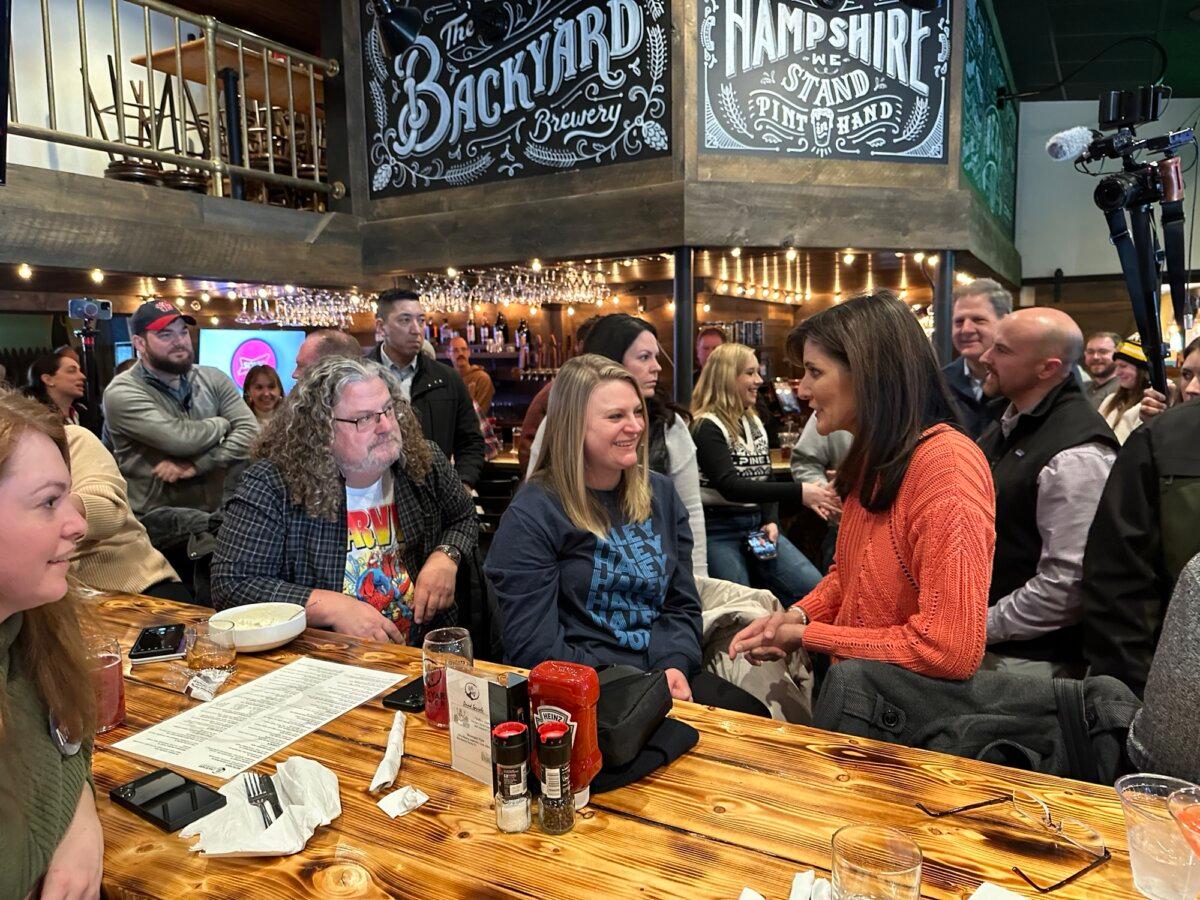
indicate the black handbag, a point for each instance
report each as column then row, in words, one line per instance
column 632, row 705
column 634, row 733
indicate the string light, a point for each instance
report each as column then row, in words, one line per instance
column 24, row 271
column 848, row 259
column 918, row 256
column 735, row 252
column 97, row 276
column 791, row 254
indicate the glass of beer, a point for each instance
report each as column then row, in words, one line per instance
column 104, row 657
column 443, row 647
column 209, row 645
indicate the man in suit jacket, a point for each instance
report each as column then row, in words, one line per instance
column 978, row 308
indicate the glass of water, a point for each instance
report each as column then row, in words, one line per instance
column 875, row 863
column 1164, row 867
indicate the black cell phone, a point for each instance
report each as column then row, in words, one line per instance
column 167, row 799
column 409, row 697
column 158, row 642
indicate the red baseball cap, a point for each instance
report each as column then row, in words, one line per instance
column 155, row 315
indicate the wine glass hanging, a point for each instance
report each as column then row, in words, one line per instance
column 461, row 291
column 293, row 307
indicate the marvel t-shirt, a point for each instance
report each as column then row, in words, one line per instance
column 375, row 570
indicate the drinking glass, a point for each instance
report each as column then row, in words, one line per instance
column 104, row 658
column 210, row 645
column 1164, row 867
column 875, row 863
column 516, row 437
column 442, row 647
column 1184, row 805
column 787, row 440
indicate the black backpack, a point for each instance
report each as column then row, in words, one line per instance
column 1065, row 727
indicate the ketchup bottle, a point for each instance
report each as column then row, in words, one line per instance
column 568, row 692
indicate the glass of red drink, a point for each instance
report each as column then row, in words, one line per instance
column 1185, row 807
column 442, row 647
column 104, row 656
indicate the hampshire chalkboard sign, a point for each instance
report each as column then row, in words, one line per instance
column 866, row 80
column 989, row 133
column 556, row 85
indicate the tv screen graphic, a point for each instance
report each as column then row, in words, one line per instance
column 236, row 352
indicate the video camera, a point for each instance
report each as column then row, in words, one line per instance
column 1127, row 199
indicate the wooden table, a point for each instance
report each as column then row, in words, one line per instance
column 192, row 55
column 507, row 460
column 753, row 803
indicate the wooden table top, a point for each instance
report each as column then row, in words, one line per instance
column 507, row 459
column 752, row 804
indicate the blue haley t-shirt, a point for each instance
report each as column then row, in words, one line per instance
column 567, row 595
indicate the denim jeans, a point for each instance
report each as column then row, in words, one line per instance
column 789, row 576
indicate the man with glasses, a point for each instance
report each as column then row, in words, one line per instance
column 438, row 396
column 349, row 511
column 179, row 430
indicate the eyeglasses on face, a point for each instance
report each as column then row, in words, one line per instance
column 1033, row 812
column 370, row 420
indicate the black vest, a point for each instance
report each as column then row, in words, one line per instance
column 1063, row 419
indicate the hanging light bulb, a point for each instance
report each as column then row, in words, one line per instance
column 536, row 265
column 933, row 259
column 231, row 294
column 735, row 252
column 791, row 254
column 214, row 320
column 24, row 271
column 205, row 297
column 570, row 310
column 707, row 308
column 97, row 276
column 919, row 256
column 848, row 259
column 452, row 272
column 671, row 305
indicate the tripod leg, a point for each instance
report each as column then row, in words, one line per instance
column 1150, row 318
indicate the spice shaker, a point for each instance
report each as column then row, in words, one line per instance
column 556, row 808
column 510, row 755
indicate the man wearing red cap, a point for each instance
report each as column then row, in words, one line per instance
column 178, row 429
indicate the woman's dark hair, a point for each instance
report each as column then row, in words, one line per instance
column 46, row 364
column 611, row 337
column 1191, row 347
column 899, row 392
column 254, row 373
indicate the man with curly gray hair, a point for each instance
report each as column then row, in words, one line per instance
column 348, row 511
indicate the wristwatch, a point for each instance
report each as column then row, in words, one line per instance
column 450, row 551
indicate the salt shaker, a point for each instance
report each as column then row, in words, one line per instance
column 510, row 754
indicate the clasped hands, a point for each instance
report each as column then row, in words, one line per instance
column 769, row 638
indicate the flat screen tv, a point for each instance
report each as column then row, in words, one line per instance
column 236, row 351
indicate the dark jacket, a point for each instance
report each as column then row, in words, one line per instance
column 270, row 549
column 1063, row 419
column 446, row 412
column 1147, row 527
column 975, row 414
column 1060, row 726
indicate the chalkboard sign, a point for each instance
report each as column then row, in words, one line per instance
column 541, row 86
column 989, row 134
column 865, row 80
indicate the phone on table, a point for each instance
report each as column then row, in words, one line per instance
column 409, row 697
column 158, row 642
column 760, row 546
column 167, row 799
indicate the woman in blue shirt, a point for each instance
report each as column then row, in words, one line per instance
column 591, row 562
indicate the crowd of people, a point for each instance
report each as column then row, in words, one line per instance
column 1028, row 509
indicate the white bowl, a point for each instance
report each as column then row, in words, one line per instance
column 264, row 637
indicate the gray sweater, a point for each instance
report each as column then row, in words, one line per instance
column 148, row 424
column 814, row 453
column 1163, row 735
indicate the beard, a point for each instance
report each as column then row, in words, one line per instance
column 164, row 363
column 1103, row 372
column 378, row 458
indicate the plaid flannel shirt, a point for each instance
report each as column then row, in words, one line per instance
column 271, row 550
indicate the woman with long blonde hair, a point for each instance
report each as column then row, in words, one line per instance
column 50, row 839
column 592, row 560
column 739, row 498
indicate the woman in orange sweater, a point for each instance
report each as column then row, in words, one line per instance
column 909, row 584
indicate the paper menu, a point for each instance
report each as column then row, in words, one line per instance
column 237, row 730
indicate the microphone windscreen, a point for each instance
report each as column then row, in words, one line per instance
column 1069, row 144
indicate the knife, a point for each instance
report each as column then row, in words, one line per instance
column 268, row 784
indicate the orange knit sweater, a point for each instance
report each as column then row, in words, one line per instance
column 942, row 525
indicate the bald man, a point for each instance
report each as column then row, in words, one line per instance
column 1050, row 455
column 322, row 343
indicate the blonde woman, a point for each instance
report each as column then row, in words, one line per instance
column 591, row 562
column 735, row 487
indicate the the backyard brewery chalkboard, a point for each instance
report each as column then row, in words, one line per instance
column 571, row 84
column 867, row 80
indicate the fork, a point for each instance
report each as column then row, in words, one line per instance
column 256, row 793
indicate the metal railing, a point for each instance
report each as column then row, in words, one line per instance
column 243, row 140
